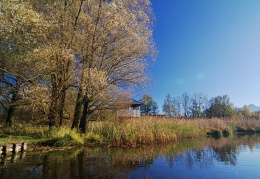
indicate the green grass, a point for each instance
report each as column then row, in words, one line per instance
column 62, row 136
column 65, row 137
column 9, row 139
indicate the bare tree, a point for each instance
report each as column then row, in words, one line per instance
column 177, row 103
column 168, row 106
column 198, row 104
column 185, row 104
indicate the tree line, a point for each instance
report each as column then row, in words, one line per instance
column 196, row 106
column 199, row 106
column 69, row 59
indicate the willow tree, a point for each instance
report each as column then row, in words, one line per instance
column 114, row 40
column 36, row 37
column 21, row 30
column 100, row 47
column 56, row 58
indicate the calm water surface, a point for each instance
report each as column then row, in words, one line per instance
column 233, row 157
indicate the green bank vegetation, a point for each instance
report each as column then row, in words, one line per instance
column 129, row 132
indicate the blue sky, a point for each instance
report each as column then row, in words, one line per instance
column 209, row 46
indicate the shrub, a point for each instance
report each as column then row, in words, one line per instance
column 227, row 132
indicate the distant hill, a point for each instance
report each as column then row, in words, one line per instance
column 252, row 108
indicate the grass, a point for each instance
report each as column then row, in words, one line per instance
column 129, row 132
column 65, row 137
column 9, row 139
column 62, row 136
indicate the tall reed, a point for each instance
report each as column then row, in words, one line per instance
column 143, row 131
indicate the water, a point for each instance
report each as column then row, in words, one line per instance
column 234, row 157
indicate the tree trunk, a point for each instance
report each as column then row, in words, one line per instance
column 54, row 107
column 11, row 110
column 61, row 108
column 65, row 77
column 78, row 105
column 77, row 111
column 53, row 115
column 10, row 115
column 84, row 117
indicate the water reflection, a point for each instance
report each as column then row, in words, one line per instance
column 201, row 154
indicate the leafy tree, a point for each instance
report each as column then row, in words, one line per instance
column 52, row 49
column 155, row 108
column 112, row 47
column 198, row 104
column 149, row 107
column 255, row 115
column 246, row 112
column 168, row 106
column 238, row 114
column 22, row 29
column 56, row 58
column 221, row 107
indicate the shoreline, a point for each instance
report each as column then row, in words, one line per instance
column 49, row 148
column 129, row 133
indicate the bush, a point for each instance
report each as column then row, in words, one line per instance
column 227, row 132
column 215, row 133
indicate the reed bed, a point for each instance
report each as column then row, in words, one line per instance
column 235, row 125
column 143, row 131
column 131, row 132
column 150, row 130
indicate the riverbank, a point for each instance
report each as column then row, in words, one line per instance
column 129, row 132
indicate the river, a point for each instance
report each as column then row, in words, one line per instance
column 237, row 156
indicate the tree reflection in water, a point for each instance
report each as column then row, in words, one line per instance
column 122, row 162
